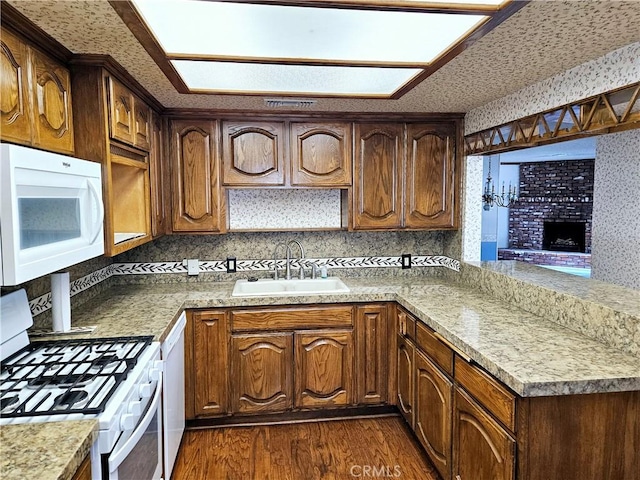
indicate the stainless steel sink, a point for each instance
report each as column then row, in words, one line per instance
column 268, row 287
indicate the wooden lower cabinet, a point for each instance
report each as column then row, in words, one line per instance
column 405, row 365
column 372, row 353
column 324, row 369
column 433, row 412
column 261, row 372
column 208, row 363
column 483, row 450
column 84, row 470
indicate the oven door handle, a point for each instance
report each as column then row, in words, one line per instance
column 120, row 454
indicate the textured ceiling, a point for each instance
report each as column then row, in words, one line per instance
column 546, row 37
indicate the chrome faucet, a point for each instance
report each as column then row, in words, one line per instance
column 275, row 261
column 300, row 261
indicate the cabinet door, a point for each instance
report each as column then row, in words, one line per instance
column 157, row 173
column 433, row 412
column 262, row 372
column 321, row 154
column 253, row 154
column 377, row 196
column 481, row 448
column 371, row 354
column 429, row 201
column 121, row 118
column 210, row 365
column 196, row 199
column 14, row 90
column 141, row 124
column 53, row 122
column 405, row 364
column 324, row 368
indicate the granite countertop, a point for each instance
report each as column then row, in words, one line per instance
column 45, row 451
column 531, row 355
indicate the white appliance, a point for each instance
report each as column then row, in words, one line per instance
column 172, row 352
column 116, row 380
column 51, row 212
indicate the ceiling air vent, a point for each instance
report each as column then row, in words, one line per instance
column 288, row 103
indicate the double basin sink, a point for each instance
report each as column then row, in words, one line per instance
column 269, row 287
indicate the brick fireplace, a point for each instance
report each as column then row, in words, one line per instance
column 551, row 223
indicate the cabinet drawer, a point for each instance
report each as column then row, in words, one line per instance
column 291, row 318
column 406, row 324
column 488, row 391
column 432, row 346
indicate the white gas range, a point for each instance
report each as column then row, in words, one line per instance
column 116, row 380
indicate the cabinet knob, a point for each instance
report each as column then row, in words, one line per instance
column 458, row 477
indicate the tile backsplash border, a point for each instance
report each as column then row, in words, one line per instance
column 42, row 303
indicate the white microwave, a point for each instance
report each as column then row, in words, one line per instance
column 51, row 212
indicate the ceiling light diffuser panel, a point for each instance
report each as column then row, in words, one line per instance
column 188, row 27
column 256, row 48
column 232, row 77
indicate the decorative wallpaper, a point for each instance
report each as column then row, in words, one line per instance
column 288, row 208
column 472, row 209
column 615, row 240
column 543, row 39
column 615, row 69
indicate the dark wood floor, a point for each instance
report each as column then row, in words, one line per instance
column 337, row 449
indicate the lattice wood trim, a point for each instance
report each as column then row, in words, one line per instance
column 612, row 111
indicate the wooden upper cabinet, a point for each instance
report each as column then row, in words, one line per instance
column 324, row 368
column 121, row 117
column 141, row 124
column 158, row 169
column 35, row 96
column 261, row 372
column 210, row 365
column 481, row 447
column 371, row 354
column 196, row 198
column 377, row 189
column 253, row 153
column 14, row 90
column 433, row 412
column 320, row 154
column 429, row 201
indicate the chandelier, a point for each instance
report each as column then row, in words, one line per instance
column 490, row 198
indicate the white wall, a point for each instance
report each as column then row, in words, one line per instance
column 615, row 256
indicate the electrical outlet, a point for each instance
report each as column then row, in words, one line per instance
column 406, row 260
column 231, row 264
column 193, row 266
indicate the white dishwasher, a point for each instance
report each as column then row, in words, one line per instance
column 172, row 352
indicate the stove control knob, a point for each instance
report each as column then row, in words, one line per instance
column 154, row 374
column 135, row 408
column 127, row 422
column 145, row 390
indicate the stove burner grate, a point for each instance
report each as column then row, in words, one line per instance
column 37, row 370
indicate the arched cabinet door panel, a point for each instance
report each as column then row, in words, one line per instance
column 196, row 194
column 481, row 447
column 429, row 189
column 253, row 153
column 51, row 84
column 405, row 363
column 324, row 368
column 433, row 407
column 320, row 154
column 261, row 369
column 377, row 196
column 14, row 90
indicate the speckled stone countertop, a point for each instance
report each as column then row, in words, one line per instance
column 531, row 355
column 45, row 451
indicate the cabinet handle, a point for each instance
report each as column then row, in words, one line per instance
column 458, row 477
column 459, row 352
